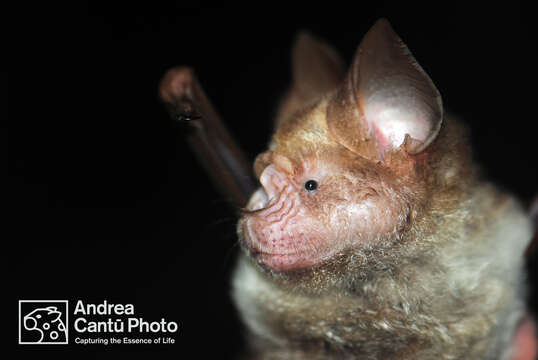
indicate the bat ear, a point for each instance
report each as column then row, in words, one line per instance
column 316, row 69
column 386, row 101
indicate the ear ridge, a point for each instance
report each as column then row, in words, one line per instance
column 396, row 101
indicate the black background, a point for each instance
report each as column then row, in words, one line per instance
column 106, row 201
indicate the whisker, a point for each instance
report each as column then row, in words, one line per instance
column 228, row 256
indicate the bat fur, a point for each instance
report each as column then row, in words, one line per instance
column 428, row 266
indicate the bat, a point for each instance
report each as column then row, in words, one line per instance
column 374, row 234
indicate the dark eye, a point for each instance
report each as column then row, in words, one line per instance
column 310, row 185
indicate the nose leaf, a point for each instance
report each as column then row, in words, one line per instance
column 273, row 181
column 258, row 200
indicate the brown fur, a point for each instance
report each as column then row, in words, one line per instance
column 444, row 283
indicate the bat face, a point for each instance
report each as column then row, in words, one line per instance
column 341, row 174
column 318, row 201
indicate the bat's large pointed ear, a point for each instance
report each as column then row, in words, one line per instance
column 317, row 68
column 386, row 100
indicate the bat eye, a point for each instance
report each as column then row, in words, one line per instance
column 310, row 185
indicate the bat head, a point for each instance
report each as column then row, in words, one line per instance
column 345, row 165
